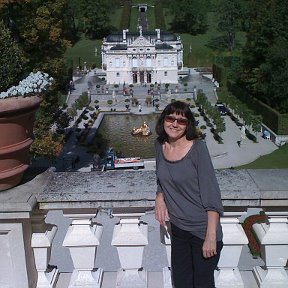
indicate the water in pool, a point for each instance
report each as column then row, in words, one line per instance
column 116, row 130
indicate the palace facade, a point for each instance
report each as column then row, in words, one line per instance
column 142, row 57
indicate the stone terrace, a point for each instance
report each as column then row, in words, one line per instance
column 103, row 233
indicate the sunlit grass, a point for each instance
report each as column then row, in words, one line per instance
column 276, row 160
column 84, row 51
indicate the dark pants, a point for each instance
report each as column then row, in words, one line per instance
column 189, row 268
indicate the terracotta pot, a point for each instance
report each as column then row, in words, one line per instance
column 17, row 116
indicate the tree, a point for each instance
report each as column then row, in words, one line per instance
column 63, row 120
column 256, row 123
column 229, row 20
column 189, row 16
column 220, row 124
column 265, row 53
column 37, row 28
column 70, row 20
column 48, row 146
column 275, row 76
column 72, row 112
column 94, row 18
column 12, row 60
column 82, row 101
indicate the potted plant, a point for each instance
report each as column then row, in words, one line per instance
column 18, row 106
column 96, row 104
column 134, row 101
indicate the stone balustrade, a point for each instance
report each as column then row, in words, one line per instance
column 273, row 237
column 106, row 235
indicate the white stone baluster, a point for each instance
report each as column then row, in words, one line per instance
column 166, row 240
column 234, row 239
column 41, row 242
column 274, row 251
column 130, row 237
column 82, row 239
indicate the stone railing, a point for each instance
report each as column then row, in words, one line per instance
column 99, row 230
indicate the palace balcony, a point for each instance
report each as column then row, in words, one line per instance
column 97, row 229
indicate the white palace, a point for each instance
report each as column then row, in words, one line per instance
column 142, row 57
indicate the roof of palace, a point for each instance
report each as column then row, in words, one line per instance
column 119, row 47
column 118, row 36
column 163, row 46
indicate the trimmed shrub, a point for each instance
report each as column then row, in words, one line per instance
column 251, row 136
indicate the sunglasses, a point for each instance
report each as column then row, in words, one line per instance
column 180, row 121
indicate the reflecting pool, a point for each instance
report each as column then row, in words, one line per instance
column 116, row 129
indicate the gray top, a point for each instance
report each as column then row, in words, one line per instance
column 190, row 188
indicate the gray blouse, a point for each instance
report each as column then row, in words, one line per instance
column 190, row 188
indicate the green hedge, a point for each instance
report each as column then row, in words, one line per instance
column 217, row 73
column 271, row 118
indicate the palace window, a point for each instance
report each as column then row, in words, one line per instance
column 135, row 62
column 165, row 63
column 148, row 62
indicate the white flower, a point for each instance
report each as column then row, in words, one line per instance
column 34, row 83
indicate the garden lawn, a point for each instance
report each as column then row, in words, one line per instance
column 115, row 18
column 276, row 160
column 84, row 51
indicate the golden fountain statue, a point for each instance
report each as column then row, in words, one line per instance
column 143, row 130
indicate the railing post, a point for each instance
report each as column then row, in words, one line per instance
column 165, row 235
column 82, row 239
column 42, row 237
column 130, row 237
column 274, row 251
column 234, row 239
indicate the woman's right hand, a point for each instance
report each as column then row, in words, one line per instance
column 161, row 212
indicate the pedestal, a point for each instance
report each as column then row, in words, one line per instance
column 234, row 239
column 272, row 277
column 130, row 238
column 41, row 242
column 165, row 235
column 274, row 251
column 82, row 239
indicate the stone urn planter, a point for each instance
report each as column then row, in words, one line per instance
column 17, row 115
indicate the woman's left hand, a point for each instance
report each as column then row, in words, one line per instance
column 210, row 244
column 209, row 247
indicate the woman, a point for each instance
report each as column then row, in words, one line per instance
column 189, row 197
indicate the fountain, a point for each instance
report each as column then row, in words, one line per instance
column 116, row 130
column 143, row 130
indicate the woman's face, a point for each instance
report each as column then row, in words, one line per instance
column 175, row 126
